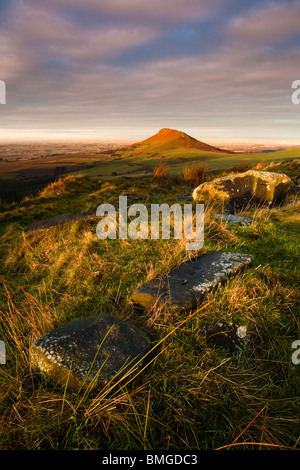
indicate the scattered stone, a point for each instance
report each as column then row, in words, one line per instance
column 57, row 220
column 185, row 285
column 295, row 183
column 131, row 197
column 187, row 195
column 243, row 188
column 231, row 219
column 229, row 337
column 95, row 348
column 184, row 198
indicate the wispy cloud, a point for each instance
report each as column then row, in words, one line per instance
column 267, row 24
column 166, row 11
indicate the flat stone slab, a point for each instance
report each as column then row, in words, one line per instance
column 231, row 219
column 57, row 220
column 95, row 348
column 185, row 285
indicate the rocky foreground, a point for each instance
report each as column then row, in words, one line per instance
column 101, row 349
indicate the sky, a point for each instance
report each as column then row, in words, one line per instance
column 116, row 70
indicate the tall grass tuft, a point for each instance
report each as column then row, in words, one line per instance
column 63, row 185
column 195, row 174
column 23, row 319
column 242, row 166
column 160, row 171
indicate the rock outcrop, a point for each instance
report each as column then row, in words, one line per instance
column 241, row 188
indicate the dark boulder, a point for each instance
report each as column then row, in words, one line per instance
column 97, row 349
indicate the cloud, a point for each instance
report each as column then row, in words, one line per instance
column 167, row 10
column 269, row 23
column 42, row 31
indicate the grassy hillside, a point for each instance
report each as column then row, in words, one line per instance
column 136, row 163
column 28, row 176
column 192, row 396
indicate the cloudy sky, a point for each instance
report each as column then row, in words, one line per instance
column 123, row 69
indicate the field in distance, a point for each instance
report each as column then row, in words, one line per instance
column 41, row 164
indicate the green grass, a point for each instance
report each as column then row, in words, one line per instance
column 130, row 163
column 192, row 396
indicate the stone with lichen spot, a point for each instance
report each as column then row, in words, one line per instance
column 242, row 188
column 185, row 285
column 231, row 338
column 92, row 349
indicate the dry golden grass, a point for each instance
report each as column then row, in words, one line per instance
column 195, row 174
column 242, row 166
column 160, row 171
column 263, row 165
column 25, row 318
column 62, row 185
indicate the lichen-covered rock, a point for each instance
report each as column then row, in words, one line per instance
column 93, row 349
column 231, row 219
column 183, row 286
column 242, row 188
